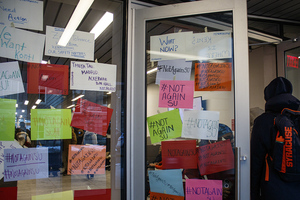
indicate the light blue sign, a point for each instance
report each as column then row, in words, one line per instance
column 21, row 45
column 23, row 14
column 25, row 164
column 166, row 181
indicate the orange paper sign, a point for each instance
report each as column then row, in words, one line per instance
column 161, row 196
column 213, row 76
column 86, row 159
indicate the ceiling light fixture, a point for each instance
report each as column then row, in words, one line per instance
column 33, row 107
column 102, row 24
column 152, row 71
column 26, row 102
column 70, row 106
column 38, row 101
column 78, row 14
column 17, row 105
column 77, row 97
column 108, row 93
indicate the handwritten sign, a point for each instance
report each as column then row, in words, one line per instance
column 179, row 154
column 215, row 157
column 66, row 195
column 176, row 94
column 10, row 193
column 103, row 194
column 210, row 45
column 10, row 79
column 164, row 126
column 197, row 105
column 80, row 46
column 213, row 76
column 7, row 119
column 6, row 145
column 21, row 45
column 161, row 196
column 200, row 124
column 170, row 69
column 47, row 79
column 166, row 181
column 168, row 46
column 91, row 117
column 49, row 124
column 86, row 159
column 203, row 189
column 25, row 164
column 93, row 76
column 20, row 13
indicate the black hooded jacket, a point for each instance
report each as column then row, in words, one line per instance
column 278, row 95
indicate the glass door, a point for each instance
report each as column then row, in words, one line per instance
column 187, row 99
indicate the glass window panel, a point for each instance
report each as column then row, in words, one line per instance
column 61, row 142
column 190, row 104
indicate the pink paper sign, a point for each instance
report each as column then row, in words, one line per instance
column 176, row 94
column 203, row 189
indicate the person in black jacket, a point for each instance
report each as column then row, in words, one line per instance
column 278, row 95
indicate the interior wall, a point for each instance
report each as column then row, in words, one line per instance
column 262, row 70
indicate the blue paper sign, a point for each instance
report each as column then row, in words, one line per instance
column 25, row 164
column 166, row 181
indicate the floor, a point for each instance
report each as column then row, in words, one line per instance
column 29, row 188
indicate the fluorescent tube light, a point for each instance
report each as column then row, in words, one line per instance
column 102, row 24
column 70, row 106
column 78, row 14
column 38, row 101
column 23, row 110
column 21, row 116
column 152, row 71
column 108, row 93
column 33, row 107
column 17, row 105
column 77, row 97
column 26, row 102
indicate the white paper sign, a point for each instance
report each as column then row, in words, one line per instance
column 80, row 46
column 25, row 164
column 168, row 69
column 169, row 46
column 21, row 45
column 93, row 76
column 210, row 45
column 23, row 14
column 10, row 79
column 197, row 105
column 200, row 124
column 6, row 145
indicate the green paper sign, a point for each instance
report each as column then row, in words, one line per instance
column 48, row 124
column 7, row 119
column 164, row 126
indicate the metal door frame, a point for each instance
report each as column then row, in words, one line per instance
column 136, row 88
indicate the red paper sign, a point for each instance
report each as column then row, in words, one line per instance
column 47, row 79
column 213, row 77
column 179, row 154
column 292, row 61
column 10, row 193
column 215, row 157
column 160, row 196
column 103, row 194
column 91, row 117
